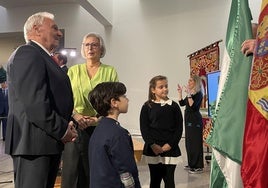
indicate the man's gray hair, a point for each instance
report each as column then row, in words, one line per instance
column 35, row 19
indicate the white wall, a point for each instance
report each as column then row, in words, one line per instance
column 104, row 7
column 255, row 6
column 152, row 37
column 148, row 37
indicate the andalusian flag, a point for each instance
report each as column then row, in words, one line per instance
column 228, row 123
column 255, row 147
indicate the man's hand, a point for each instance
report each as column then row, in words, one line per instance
column 248, row 46
column 71, row 133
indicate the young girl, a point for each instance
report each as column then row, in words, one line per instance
column 193, row 124
column 161, row 127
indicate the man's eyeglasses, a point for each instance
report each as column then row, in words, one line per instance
column 92, row 45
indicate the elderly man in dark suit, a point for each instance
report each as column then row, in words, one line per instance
column 3, row 107
column 40, row 106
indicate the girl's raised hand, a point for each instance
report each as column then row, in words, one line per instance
column 179, row 88
column 179, row 92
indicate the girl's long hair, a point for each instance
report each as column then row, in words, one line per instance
column 152, row 85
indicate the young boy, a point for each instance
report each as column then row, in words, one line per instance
column 111, row 155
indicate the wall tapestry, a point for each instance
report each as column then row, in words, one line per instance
column 203, row 61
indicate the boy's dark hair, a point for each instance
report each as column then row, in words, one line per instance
column 100, row 97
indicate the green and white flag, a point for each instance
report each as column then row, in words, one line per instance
column 226, row 136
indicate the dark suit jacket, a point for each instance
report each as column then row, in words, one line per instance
column 3, row 104
column 40, row 103
column 64, row 68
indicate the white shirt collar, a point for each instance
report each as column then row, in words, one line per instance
column 42, row 47
column 163, row 103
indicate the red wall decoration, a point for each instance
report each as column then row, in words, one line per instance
column 203, row 61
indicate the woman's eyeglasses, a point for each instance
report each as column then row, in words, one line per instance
column 92, row 45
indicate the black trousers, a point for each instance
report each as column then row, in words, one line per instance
column 159, row 172
column 194, row 145
column 3, row 119
column 75, row 169
column 35, row 171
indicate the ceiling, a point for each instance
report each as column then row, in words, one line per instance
column 22, row 3
column 85, row 4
